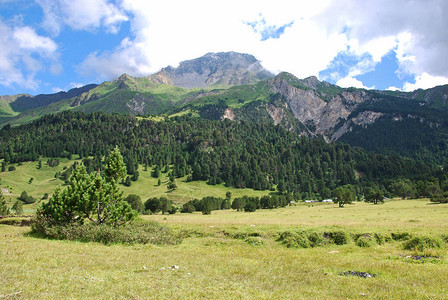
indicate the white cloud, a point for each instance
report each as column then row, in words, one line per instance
column 23, row 54
column 415, row 30
column 352, row 82
column 425, row 81
column 29, row 39
column 167, row 32
column 393, row 88
column 81, row 15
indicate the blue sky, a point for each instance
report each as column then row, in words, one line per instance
column 53, row 45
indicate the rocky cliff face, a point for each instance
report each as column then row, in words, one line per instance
column 318, row 111
column 224, row 68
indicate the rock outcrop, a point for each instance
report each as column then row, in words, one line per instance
column 318, row 111
column 223, row 68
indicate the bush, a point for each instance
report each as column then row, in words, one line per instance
column 381, row 239
column 153, row 205
column 254, row 241
column 18, row 207
column 136, row 233
column 440, row 197
column 25, row 198
column 135, row 201
column 316, row 239
column 444, row 237
column 337, row 237
column 422, row 243
column 294, row 239
column 400, row 236
column 364, row 240
column 11, row 168
column 250, row 207
column 172, row 210
column 188, row 208
column 4, row 209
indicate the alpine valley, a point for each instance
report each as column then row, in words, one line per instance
column 294, row 123
column 235, row 86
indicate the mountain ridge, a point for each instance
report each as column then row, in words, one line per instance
column 222, row 68
column 311, row 107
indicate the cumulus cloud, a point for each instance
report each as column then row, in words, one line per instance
column 424, row 81
column 300, row 37
column 167, row 32
column 23, row 54
column 27, row 38
column 350, row 81
column 81, row 15
column 130, row 57
column 415, row 30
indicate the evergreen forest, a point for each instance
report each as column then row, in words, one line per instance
column 239, row 154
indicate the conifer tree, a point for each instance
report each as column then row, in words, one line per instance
column 90, row 197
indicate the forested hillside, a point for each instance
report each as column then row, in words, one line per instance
column 235, row 86
column 240, row 154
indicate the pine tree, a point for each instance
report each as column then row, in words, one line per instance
column 18, row 207
column 90, row 197
column 4, row 210
column 114, row 167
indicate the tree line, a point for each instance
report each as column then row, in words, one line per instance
column 238, row 154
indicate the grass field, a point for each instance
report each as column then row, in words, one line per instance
column 146, row 187
column 215, row 262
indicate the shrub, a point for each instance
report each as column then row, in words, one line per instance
column 316, row 239
column 254, row 241
column 172, row 210
column 90, row 197
column 4, row 209
column 250, row 207
column 440, row 197
column 153, row 205
column 25, row 198
column 381, row 239
column 400, row 236
column 136, row 233
column 18, row 207
column 294, row 239
column 337, row 237
column 444, row 237
column 422, row 243
column 364, row 240
column 11, row 168
column 135, row 201
column 188, row 208
column 16, row 221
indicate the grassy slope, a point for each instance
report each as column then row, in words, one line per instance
column 43, row 182
column 33, row 114
column 216, row 266
column 236, row 96
column 146, row 187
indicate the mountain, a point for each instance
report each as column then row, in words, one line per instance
column 235, row 86
column 239, row 154
column 24, row 102
column 214, row 69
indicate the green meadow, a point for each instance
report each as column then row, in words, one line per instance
column 44, row 181
column 237, row 255
column 230, row 254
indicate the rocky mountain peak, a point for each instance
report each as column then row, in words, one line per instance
column 222, row 68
